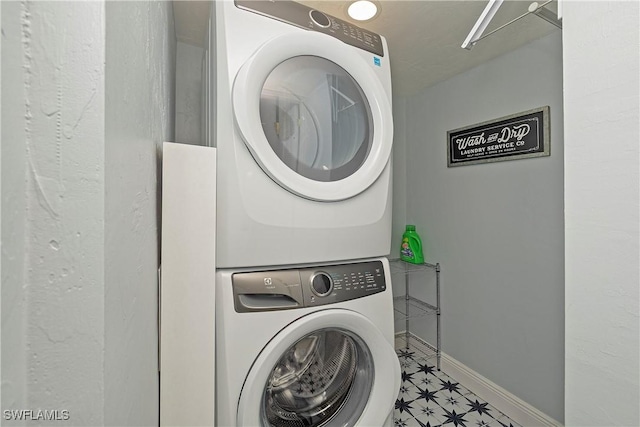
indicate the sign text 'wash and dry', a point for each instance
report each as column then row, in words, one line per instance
column 521, row 135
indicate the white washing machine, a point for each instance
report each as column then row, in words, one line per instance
column 302, row 120
column 306, row 346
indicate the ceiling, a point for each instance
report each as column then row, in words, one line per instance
column 424, row 37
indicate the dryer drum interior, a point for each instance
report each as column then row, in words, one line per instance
column 322, row 375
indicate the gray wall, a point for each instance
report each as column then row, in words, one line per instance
column 139, row 117
column 399, row 176
column 497, row 229
column 85, row 90
column 399, row 213
column 601, row 72
column 189, row 94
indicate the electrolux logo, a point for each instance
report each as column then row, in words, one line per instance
column 36, row 415
column 376, row 61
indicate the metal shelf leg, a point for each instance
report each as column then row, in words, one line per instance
column 438, row 350
column 406, row 320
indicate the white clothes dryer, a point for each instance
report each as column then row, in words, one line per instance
column 302, row 121
column 309, row 346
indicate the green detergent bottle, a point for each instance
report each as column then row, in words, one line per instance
column 411, row 249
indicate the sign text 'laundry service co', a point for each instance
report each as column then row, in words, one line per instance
column 518, row 136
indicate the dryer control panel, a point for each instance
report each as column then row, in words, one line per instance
column 310, row 19
column 306, row 287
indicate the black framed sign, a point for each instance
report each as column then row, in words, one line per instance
column 518, row 136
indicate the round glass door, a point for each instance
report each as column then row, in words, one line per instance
column 330, row 367
column 316, row 118
column 325, row 378
column 315, row 115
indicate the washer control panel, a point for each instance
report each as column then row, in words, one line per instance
column 306, row 287
column 311, row 19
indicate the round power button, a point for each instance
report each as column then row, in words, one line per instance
column 320, row 19
column 321, row 284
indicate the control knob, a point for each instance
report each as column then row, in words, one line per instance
column 321, row 283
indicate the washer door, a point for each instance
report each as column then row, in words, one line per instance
column 314, row 115
column 332, row 367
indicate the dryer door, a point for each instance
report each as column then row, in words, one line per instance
column 332, row 367
column 314, row 115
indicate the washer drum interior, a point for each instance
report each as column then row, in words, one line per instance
column 324, row 377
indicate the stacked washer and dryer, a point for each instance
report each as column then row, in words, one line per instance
column 302, row 122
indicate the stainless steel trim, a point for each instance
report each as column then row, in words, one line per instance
column 316, row 22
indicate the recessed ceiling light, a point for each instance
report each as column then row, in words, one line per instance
column 362, row 10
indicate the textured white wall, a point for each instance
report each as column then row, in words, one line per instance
column 139, row 117
column 189, row 93
column 0, row 205
column 602, row 177
column 0, row 202
column 496, row 228
column 55, row 155
column 88, row 89
column 13, row 189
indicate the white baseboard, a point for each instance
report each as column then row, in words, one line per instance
column 517, row 409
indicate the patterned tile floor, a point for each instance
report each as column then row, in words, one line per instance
column 431, row 398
